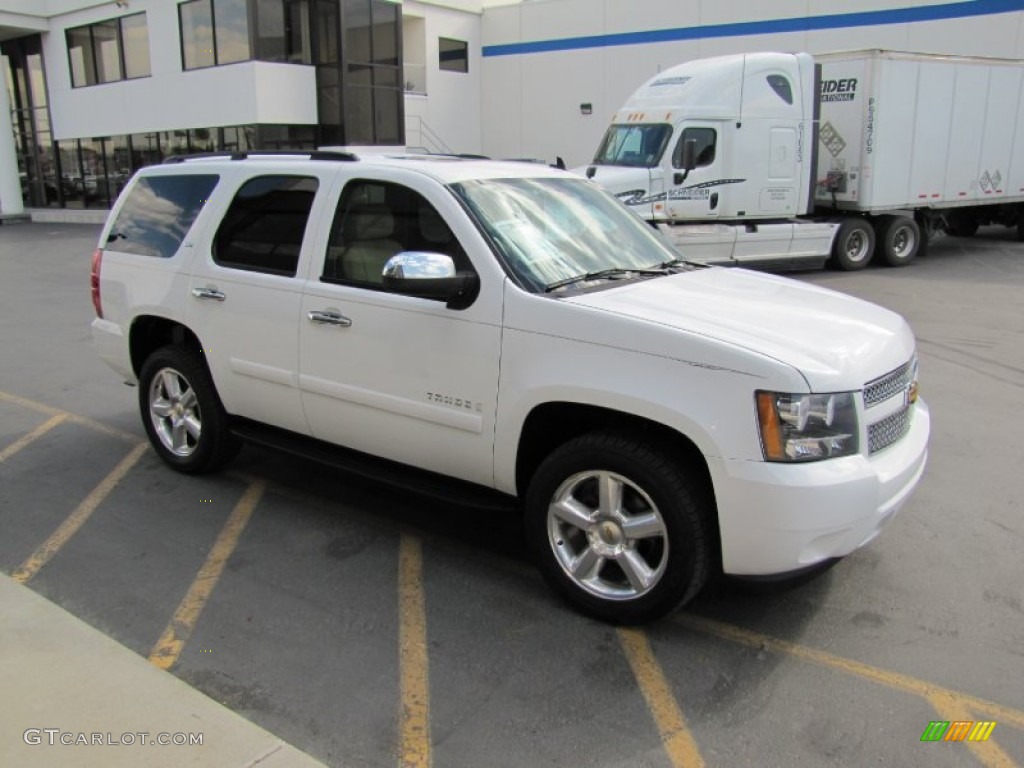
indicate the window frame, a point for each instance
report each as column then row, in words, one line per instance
column 677, row 151
column 215, row 52
column 341, row 209
column 119, row 39
column 116, row 240
column 252, row 268
column 464, row 69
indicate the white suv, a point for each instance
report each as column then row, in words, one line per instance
column 510, row 327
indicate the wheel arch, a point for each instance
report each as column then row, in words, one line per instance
column 549, row 425
column 151, row 332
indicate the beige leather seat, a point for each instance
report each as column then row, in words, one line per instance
column 368, row 242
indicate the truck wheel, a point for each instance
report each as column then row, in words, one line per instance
column 898, row 240
column 854, row 244
column 618, row 528
column 182, row 413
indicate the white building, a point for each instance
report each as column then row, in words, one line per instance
column 97, row 89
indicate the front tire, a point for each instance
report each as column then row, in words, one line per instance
column 182, row 413
column 618, row 528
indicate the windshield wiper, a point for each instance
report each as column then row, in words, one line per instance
column 674, row 263
column 615, row 273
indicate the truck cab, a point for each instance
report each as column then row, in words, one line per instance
column 718, row 153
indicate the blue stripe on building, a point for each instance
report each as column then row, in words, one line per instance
column 769, row 26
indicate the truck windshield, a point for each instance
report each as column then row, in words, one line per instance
column 550, row 230
column 635, row 146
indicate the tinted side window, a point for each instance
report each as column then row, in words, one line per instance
column 262, row 230
column 374, row 221
column 704, row 149
column 158, row 214
column 781, row 86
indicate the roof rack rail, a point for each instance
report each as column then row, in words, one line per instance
column 312, row 154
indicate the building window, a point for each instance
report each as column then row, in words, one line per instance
column 108, row 51
column 213, row 32
column 453, row 55
column 373, row 77
column 283, row 31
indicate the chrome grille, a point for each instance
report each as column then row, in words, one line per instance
column 881, row 389
column 884, row 433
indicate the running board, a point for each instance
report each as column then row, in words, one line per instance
column 430, row 484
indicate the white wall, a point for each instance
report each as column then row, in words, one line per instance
column 249, row 92
column 451, row 107
column 531, row 101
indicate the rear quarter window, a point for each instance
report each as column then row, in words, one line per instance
column 158, row 214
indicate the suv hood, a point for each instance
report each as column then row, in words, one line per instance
column 835, row 341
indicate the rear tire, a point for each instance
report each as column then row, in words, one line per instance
column 898, row 240
column 618, row 528
column 182, row 413
column 854, row 244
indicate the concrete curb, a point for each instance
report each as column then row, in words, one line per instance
column 99, row 703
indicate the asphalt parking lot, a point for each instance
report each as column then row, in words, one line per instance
column 373, row 628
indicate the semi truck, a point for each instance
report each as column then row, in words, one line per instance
column 788, row 160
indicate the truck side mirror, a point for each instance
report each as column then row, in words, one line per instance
column 591, row 170
column 689, row 155
column 689, row 160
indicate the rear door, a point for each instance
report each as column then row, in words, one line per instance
column 246, row 290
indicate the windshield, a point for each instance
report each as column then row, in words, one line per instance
column 551, row 229
column 635, row 146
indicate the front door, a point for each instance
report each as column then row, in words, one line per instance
column 390, row 374
column 696, row 195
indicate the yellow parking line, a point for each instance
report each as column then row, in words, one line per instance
column 168, row 648
column 675, row 735
column 49, row 410
column 900, row 682
column 988, row 752
column 77, row 519
column 414, row 746
column 36, row 433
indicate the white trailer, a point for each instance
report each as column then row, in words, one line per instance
column 787, row 160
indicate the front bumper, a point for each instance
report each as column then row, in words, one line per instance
column 776, row 518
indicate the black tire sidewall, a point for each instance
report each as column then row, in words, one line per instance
column 215, row 445
column 677, row 497
column 847, row 228
column 887, row 234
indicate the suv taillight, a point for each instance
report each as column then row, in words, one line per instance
column 94, row 281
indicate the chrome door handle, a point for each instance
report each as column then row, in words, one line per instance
column 208, row 293
column 329, row 317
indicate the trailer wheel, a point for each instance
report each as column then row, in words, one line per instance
column 898, row 240
column 854, row 244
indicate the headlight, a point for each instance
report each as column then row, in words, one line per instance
column 807, row 427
